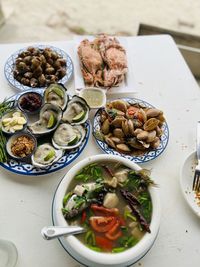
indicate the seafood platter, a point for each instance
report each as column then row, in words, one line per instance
column 43, row 130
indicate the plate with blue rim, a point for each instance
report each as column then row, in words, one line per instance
column 25, row 168
column 142, row 158
column 10, row 63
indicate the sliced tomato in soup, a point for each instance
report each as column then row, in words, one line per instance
column 102, row 224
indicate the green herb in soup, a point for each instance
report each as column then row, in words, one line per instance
column 112, row 202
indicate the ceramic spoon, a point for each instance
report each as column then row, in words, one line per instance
column 51, row 232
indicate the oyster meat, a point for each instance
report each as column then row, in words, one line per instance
column 45, row 155
column 68, row 136
column 50, row 116
column 77, row 111
column 56, row 94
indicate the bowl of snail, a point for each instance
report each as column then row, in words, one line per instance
column 117, row 203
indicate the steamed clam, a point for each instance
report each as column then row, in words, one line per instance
column 50, row 116
column 56, row 94
column 77, row 111
column 131, row 128
column 45, row 155
column 68, row 136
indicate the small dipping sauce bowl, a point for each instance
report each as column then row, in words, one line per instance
column 13, row 121
column 21, row 145
column 95, row 97
column 30, row 102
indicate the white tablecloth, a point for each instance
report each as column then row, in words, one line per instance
column 163, row 79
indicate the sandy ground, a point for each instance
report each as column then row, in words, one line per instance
column 54, row 20
column 38, row 20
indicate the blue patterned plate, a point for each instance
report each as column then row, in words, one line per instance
column 28, row 169
column 9, row 66
column 147, row 156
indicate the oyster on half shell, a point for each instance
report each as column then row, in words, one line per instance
column 45, row 155
column 56, row 94
column 77, row 111
column 50, row 116
column 68, row 136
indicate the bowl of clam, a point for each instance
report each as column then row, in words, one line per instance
column 44, row 130
column 131, row 128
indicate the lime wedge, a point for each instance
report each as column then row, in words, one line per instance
column 73, row 141
column 50, row 155
column 58, row 91
column 79, row 117
column 51, row 121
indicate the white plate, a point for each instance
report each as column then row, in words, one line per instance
column 127, row 86
column 186, row 180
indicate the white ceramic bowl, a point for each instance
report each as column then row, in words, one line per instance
column 9, row 114
column 13, row 138
column 91, row 100
column 87, row 256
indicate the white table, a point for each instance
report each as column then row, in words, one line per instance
column 163, row 79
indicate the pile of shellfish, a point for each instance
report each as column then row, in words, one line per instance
column 131, row 128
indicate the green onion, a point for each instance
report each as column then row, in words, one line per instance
column 5, row 106
column 94, row 248
column 127, row 214
column 64, row 211
column 79, row 203
column 117, row 250
column 131, row 217
column 66, row 198
column 90, row 238
column 131, row 241
column 127, row 241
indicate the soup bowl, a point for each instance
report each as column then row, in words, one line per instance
column 81, row 252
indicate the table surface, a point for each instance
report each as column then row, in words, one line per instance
column 163, row 79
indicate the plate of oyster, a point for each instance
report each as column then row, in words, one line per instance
column 131, row 128
column 60, row 128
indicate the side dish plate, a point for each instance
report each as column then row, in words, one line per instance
column 9, row 66
column 147, row 156
column 24, row 168
column 186, row 180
